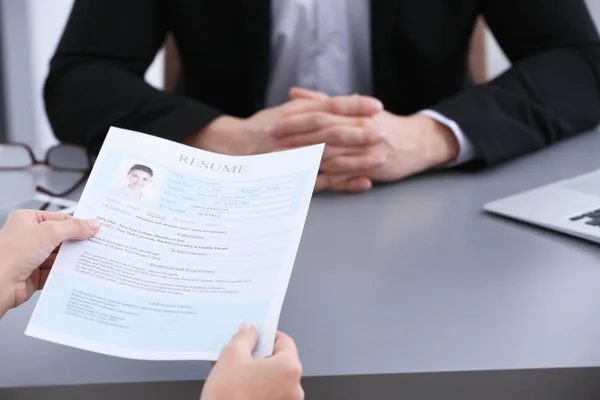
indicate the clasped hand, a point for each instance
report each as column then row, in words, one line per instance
column 364, row 143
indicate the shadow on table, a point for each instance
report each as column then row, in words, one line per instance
column 549, row 384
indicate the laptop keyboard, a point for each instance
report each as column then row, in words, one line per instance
column 591, row 218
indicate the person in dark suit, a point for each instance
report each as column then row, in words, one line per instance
column 408, row 60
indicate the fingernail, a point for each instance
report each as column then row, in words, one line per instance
column 378, row 160
column 245, row 326
column 270, row 129
column 380, row 135
column 94, row 224
column 376, row 105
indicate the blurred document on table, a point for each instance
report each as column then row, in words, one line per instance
column 192, row 244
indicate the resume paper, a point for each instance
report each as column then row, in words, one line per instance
column 192, row 244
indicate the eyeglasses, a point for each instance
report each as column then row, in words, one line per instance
column 72, row 161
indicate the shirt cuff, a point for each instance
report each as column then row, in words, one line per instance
column 466, row 151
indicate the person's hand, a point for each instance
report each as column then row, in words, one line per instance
column 410, row 145
column 415, row 144
column 255, row 135
column 29, row 241
column 237, row 376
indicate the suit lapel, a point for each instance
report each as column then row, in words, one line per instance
column 257, row 36
column 257, row 25
column 382, row 23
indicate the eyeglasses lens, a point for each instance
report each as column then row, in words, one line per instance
column 14, row 156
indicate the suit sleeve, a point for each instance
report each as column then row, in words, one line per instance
column 551, row 92
column 96, row 77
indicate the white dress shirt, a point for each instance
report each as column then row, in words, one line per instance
column 325, row 45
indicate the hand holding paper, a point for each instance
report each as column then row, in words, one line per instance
column 206, row 242
column 277, row 377
column 29, row 241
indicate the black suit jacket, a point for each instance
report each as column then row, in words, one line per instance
column 419, row 60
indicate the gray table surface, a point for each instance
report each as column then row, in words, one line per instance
column 410, row 277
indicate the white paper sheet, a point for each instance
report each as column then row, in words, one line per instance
column 210, row 243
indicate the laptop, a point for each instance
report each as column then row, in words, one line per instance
column 570, row 206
